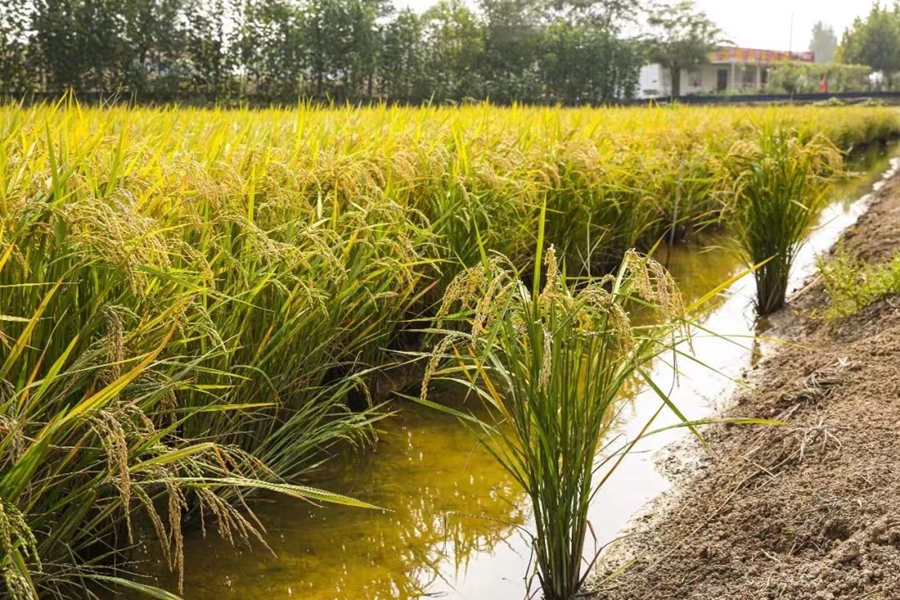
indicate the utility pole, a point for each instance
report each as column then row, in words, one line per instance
column 791, row 38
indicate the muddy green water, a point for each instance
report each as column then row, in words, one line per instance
column 455, row 523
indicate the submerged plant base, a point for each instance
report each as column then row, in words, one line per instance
column 771, row 286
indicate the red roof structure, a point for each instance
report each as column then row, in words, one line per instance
column 753, row 55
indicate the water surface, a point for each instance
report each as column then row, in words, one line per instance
column 456, row 526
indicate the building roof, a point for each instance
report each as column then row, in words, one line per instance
column 732, row 54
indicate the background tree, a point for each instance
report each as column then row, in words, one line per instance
column 15, row 75
column 453, row 43
column 150, row 43
column 205, row 48
column 823, row 43
column 400, row 64
column 604, row 15
column 513, row 34
column 682, row 38
column 875, row 41
column 585, row 64
column 58, row 43
column 101, row 37
column 330, row 38
column 367, row 35
column 587, row 58
column 268, row 49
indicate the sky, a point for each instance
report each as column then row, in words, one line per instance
column 764, row 24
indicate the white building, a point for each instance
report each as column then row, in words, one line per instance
column 730, row 70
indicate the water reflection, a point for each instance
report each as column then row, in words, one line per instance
column 429, row 472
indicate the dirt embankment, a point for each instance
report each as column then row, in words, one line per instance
column 810, row 510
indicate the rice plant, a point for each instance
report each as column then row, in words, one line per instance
column 781, row 180
column 246, row 271
column 91, row 445
column 552, row 362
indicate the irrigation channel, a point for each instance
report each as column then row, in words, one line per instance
column 456, row 525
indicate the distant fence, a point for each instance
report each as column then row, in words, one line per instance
column 886, row 97
column 205, row 100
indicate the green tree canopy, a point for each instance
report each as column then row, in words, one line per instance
column 282, row 51
column 875, row 41
column 453, row 47
column 513, row 36
column 682, row 38
column 14, row 17
column 401, row 58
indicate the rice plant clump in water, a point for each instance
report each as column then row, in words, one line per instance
column 552, row 363
column 781, row 181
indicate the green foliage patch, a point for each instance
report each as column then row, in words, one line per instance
column 853, row 284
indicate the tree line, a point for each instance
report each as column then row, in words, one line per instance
column 282, row 51
column 285, row 51
column 874, row 40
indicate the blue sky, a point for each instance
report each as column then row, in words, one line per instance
column 762, row 24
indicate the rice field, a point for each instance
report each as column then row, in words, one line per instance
column 194, row 303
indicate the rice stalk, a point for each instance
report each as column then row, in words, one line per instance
column 552, row 363
column 781, row 180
